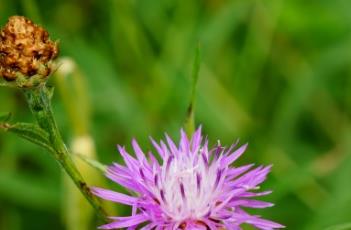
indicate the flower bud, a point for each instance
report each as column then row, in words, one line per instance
column 26, row 52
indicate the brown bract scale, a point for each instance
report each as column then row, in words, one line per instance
column 25, row 49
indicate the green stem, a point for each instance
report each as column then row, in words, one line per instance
column 39, row 103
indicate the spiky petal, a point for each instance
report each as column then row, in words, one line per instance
column 194, row 187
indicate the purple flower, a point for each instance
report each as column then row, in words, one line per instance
column 194, row 187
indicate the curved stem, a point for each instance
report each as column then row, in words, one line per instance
column 39, row 103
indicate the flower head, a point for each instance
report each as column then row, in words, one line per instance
column 194, row 187
column 26, row 52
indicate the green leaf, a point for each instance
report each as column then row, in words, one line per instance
column 4, row 117
column 31, row 132
column 196, row 69
column 93, row 163
column 345, row 226
column 190, row 119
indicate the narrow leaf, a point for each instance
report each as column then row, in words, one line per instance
column 345, row 226
column 32, row 133
column 4, row 117
column 91, row 162
column 189, row 124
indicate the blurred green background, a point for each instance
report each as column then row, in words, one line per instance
column 276, row 74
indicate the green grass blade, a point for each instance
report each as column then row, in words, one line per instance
column 190, row 119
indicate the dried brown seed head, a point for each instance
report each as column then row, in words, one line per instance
column 25, row 49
